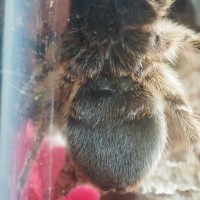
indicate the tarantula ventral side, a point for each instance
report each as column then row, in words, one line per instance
column 115, row 83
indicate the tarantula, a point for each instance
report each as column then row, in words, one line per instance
column 114, row 85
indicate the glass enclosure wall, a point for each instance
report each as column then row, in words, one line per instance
column 30, row 32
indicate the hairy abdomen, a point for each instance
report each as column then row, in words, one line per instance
column 116, row 131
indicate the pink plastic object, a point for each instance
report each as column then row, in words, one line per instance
column 82, row 193
column 45, row 168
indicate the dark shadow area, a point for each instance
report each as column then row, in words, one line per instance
column 183, row 12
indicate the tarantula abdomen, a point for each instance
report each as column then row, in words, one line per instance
column 116, row 132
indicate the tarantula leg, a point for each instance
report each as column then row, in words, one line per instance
column 184, row 115
column 175, row 41
column 163, row 81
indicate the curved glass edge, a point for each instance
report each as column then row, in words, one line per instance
column 15, row 73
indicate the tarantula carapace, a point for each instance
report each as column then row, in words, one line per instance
column 114, row 85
